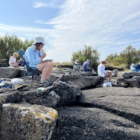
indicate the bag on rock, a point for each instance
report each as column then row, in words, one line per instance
column 16, row 81
column 107, row 84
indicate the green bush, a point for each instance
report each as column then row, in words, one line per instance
column 11, row 44
column 87, row 53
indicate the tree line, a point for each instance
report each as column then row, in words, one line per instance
column 10, row 44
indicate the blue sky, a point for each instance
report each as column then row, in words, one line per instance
column 67, row 25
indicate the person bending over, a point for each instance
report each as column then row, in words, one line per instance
column 102, row 72
column 34, row 56
column 86, row 66
column 12, row 60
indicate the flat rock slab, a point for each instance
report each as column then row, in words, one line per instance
column 79, row 123
column 27, row 122
column 7, row 72
column 121, row 101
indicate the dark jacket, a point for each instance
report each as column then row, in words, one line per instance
column 21, row 63
column 137, row 66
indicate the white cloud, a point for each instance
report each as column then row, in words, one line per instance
column 108, row 26
column 48, row 3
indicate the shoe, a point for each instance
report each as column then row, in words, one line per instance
column 45, row 83
column 48, row 80
column 115, row 83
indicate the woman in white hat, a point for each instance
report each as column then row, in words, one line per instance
column 34, row 56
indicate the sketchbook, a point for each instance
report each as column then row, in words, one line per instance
column 46, row 60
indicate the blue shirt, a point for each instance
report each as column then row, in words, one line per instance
column 21, row 63
column 137, row 66
column 85, row 65
column 33, row 56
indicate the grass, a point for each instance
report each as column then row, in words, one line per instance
column 62, row 63
column 124, row 66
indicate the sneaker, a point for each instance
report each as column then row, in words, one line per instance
column 45, row 83
column 48, row 80
column 115, row 83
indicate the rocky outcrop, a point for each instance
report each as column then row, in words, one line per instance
column 60, row 94
column 77, row 80
column 27, row 122
column 127, row 75
column 79, row 123
column 7, row 72
column 121, row 101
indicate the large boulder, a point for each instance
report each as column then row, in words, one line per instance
column 8, row 72
column 27, row 122
column 79, row 123
column 60, row 94
column 132, row 82
column 127, row 75
column 77, row 80
column 121, row 101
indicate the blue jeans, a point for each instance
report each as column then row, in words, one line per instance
column 88, row 70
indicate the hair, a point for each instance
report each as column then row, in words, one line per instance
column 103, row 62
column 15, row 53
column 88, row 59
column 36, row 45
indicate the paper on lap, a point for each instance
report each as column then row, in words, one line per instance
column 46, row 60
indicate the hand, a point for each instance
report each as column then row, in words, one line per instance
column 43, row 56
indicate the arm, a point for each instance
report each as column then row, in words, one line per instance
column 103, row 69
column 30, row 57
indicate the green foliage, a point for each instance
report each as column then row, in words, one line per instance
column 87, row 53
column 128, row 56
column 11, row 44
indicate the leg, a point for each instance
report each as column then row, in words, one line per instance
column 44, row 67
column 108, row 74
column 50, row 69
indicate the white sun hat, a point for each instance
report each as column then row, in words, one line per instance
column 39, row 40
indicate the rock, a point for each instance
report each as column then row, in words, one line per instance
column 7, row 72
column 84, row 82
column 79, row 81
column 79, row 123
column 83, row 73
column 66, row 93
column 137, row 78
column 114, row 72
column 26, row 122
column 122, row 82
column 127, row 75
column 133, row 83
column 121, row 101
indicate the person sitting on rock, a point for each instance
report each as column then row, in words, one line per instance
column 34, row 56
column 12, row 60
column 76, row 61
column 137, row 66
column 86, row 66
column 102, row 72
column 132, row 67
column 21, row 62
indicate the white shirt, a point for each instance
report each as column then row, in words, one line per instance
column 101, row 70
column 12, row 60
column 132, row 67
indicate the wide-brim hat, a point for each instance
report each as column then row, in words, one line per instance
column 39, row 40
